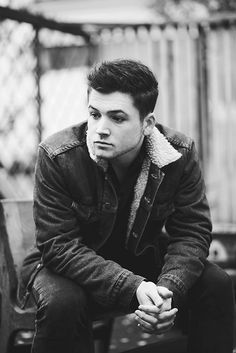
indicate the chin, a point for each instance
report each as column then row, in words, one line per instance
column 103, row 155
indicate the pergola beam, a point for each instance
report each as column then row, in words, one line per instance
column 38, row 21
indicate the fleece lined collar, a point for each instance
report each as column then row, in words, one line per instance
column 158, row 151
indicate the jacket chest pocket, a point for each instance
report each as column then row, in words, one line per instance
column 162, row 210
column 85, row 213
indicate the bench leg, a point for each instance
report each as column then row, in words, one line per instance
column 102, row 332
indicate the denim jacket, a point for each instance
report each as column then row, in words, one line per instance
column 75, row 206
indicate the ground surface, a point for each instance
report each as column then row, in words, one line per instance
column 127, row 336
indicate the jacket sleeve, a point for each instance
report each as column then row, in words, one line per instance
column 189, row 229
column 60, row 241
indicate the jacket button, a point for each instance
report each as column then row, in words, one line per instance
column 107, row 205
column 154, row 176
column 147, row 200
column 135, row 235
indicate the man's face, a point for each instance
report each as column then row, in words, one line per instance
column 115, row 131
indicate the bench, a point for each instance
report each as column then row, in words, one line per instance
column 14, row 242
column 17, row 325
column 223, row 248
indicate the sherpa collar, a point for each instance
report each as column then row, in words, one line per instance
column 158, row 151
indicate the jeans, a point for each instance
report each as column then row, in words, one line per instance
column 63, row 319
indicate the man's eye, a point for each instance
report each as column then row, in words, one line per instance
column 94, row 115
column 118, row 119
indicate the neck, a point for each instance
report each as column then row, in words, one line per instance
column 120, row 172
column 121, row 164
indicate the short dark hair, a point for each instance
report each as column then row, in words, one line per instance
column 126, row 76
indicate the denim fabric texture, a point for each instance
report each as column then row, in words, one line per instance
column 65, row 311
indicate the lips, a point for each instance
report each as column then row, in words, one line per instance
column 102, row 143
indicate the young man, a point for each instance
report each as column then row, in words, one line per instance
column 104, row 189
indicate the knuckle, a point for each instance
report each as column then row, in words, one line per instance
column 141, row 315
column 155, row 321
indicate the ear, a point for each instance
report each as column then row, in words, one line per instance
column 148, row 124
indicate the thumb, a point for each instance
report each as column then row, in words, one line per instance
column 156, row 298
column 164, row 292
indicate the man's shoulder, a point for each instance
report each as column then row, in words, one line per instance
column 176, row 138
column 65, row 140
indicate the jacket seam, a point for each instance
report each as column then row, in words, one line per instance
column 117, row 285
column 58, row 165
column 182, row 145
column 55, row 152
column 179, row 143
column 176, row 280
column 47, row 150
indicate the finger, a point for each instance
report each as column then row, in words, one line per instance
column 147, row 318
column 167, row 315
column 154, row 296
column 167, row 304
column 150, row 332
column 157, row 299
column 145, row 325
column 161, row 328
column 152, row 309
column 146, row 330
column 164, row 292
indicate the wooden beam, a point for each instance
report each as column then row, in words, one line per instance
column 38, row 21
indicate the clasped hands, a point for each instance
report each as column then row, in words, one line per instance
column 154, row 314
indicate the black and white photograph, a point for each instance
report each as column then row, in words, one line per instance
column 117, row 176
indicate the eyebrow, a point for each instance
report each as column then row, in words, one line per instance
column 116, row 111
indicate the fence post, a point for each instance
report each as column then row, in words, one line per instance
column 38, row 74
column 202, row 95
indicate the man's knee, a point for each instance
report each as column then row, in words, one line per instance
column 216, row 280
column 66, row 306
column 60, row 299
column 213, row 291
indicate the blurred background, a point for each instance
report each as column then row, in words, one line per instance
column 47, row 48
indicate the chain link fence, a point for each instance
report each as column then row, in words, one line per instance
column 42, row 80
column 18, row 108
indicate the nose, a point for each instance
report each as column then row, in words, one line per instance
column 102, row 128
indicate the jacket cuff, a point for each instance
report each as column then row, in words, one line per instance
column 175, row 285
column 126, row 300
